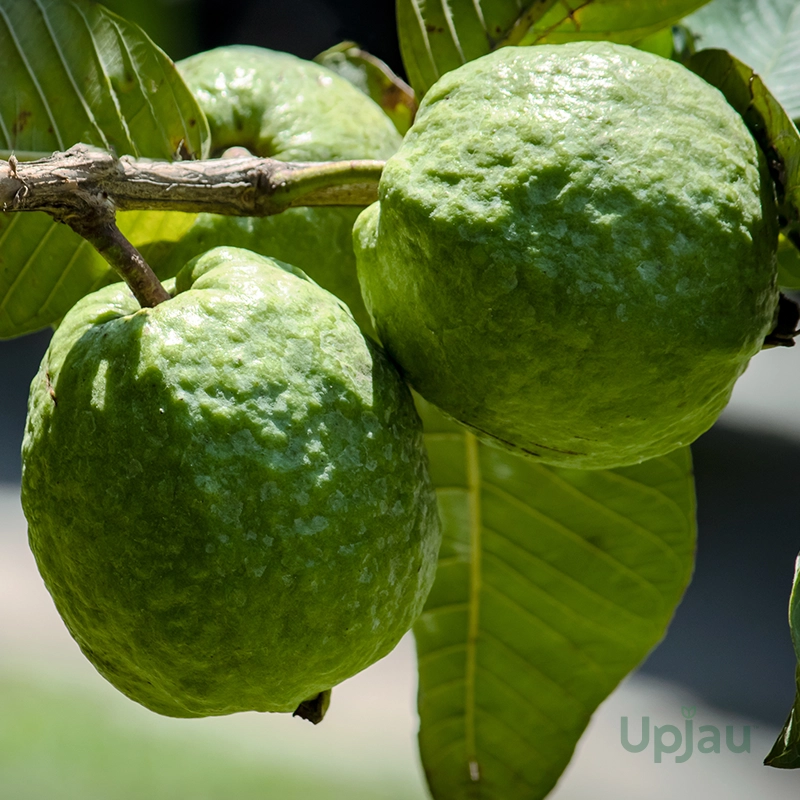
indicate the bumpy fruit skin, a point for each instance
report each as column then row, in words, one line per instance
column 280, row 106
column 227, row 495
column 573, row 252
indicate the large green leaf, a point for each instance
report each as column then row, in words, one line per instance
column 74, row 72
column 764, row 34
column 771, row 127
column 622, row 21
column 437, row 36
column 552, row 585
column 785, row 753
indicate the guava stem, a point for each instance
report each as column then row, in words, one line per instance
column 314, row 708
column 123, row 257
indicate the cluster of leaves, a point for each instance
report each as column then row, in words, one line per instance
column 552, row 584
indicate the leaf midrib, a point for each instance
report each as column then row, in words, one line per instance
column 474, row 493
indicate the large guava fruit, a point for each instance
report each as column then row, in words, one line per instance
column 227, row 495
column 574, row 252
column 279, row 106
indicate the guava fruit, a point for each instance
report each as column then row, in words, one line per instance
column 573, row 252
column 279, row 106
column 227, row 495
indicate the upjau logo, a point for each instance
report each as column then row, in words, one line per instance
column 668, row 739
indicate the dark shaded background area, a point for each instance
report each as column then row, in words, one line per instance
column 302, row 27
column 730, row 639
column 19, row 361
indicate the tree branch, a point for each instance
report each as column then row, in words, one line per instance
column 108, row 240
column 84, row 188
column 84, row 180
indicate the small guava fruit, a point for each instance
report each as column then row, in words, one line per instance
column 573, row 252
column 279, row 106
column 227, row 495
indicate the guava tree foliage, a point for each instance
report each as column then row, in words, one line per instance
column 552, row 584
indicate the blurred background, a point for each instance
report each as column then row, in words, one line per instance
column 65, row 733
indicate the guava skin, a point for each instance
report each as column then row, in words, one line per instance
column 280, row 106
column 227, row 495
column 573, row 252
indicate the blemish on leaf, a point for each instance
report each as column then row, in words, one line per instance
column 20, row 122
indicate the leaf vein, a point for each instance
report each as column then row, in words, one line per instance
column 573, row 646
column 53, row 123
column 69, row 266
column 524, row 659
column 429, row 692
column 123, row 43
column 572, row 612
column 571, row 488
column 448, row 16
column 501, row 681
column 415, row 5
column 446, row 608
column 438, row 652
column 130, row 146
column 563, row 529
column 30, row 261
column 70, row 77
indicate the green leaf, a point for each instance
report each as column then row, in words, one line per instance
column 437, row 36
column 552, row 585
column 785, row 753
column 74, row 72
column 622, row 21
column 145, row 227
column 375, row 78
column 764, row 34
column 661, row 43
column 794, row 610
column 770, row 125
column 788, row 264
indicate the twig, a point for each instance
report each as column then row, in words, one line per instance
column 108, row 240
column 84, row 177
column 84, row 188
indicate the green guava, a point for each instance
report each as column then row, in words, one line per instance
column 280, row 106
column 227, row 495
column 573, row 252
